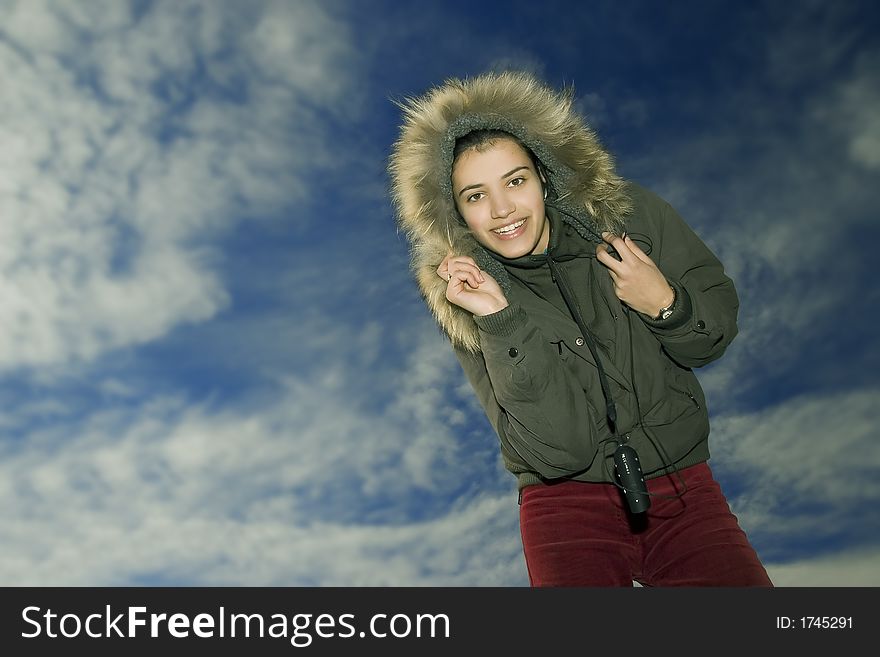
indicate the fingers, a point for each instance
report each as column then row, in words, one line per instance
column 609, row 255
column 635, row 248
column 465, row 273
column 617, row 242
column 625, row 248
column 462, row 269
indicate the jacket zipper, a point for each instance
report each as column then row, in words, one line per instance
column 693, row 399
column 688, row 393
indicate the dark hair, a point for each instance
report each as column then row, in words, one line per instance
column 480, row 140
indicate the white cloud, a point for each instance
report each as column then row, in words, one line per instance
column 851, row 568
column 808, row 464
column 302, row 33
column 130, row 144
column 313, row 484
column 36, row 19
column 852, row 112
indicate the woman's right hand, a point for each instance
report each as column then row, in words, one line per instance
column 469, row 287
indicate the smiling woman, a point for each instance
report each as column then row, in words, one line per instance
column 505, row 214
column 511, row 205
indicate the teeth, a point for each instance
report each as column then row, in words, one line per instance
column 510, row 228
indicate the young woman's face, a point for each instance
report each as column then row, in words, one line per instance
column 499, row 194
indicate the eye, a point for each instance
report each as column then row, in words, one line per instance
column 470, row 199
column 519, row 181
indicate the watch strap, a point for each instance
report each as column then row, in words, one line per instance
column 666, row 311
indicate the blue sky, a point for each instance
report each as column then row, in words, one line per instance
column 215, row 368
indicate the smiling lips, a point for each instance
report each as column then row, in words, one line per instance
column 510, row 231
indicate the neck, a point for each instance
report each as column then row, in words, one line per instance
column 544, row 240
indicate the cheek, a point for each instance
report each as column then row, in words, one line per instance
column 472, row 219
column 474, row 227
column 536, row 198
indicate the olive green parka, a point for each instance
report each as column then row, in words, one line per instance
column 530, row 364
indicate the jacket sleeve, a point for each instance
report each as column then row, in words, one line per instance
column 532, row 401
column 704, row 315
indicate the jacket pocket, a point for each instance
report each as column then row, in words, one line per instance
column 680, row 390
column 675, row 404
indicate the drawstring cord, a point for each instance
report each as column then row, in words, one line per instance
column 562, row 284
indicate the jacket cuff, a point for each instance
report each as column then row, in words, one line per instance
column 682, row 310
column 504, row 322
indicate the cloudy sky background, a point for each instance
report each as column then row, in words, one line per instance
column 215, row 368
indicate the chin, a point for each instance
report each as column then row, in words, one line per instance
column 512, row 251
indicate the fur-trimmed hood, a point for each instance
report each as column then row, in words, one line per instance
column 582, row 183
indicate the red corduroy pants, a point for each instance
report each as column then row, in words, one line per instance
column 581, row 534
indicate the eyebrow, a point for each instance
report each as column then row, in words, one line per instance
column 509, row 173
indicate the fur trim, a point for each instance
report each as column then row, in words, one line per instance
column 581, row 175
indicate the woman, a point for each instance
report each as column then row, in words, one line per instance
column 578, row 305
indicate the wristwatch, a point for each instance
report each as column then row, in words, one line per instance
column 667, row 311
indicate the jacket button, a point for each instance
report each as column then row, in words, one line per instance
column 579, row 342
column 512, row 352
column 701, row 324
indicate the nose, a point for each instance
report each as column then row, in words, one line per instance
column 502, row 206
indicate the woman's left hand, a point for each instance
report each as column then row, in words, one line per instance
column 638, row 282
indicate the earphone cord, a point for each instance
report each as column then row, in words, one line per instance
column 657, row 444
column 610, row 409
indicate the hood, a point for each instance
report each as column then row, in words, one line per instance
column 582, row 183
